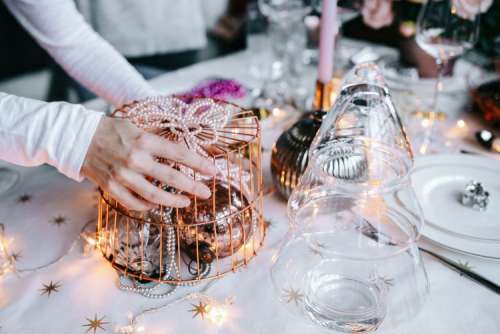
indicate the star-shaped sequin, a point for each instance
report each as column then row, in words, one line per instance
column 316, row 251
column 268, row 223
column 59, row 220
column 293, row 295
column 320, row 245
column 24, row 198
column 95, row 324
column 376, row 278
column 16, row 256
column 465, row 265
column 49, row 288
column 201, row 309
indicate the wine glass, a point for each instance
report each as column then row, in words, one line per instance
column 287, row 33
column 445, row 29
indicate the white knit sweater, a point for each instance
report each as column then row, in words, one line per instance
column 34, row 132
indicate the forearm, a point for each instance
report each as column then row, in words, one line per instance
column 34, row 132
column 62, row 31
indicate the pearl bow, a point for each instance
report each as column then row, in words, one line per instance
column 197, row 123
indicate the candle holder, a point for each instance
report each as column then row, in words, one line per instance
column 211, row 237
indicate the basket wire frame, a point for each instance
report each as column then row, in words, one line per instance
column 238, row 153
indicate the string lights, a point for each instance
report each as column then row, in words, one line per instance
column 7, row 259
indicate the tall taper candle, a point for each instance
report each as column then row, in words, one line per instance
column 328, row 30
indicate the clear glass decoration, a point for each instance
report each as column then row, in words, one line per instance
column 350, row 261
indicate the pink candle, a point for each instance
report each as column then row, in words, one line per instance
column 328, row 30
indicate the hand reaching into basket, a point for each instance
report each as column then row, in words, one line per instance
column 121, row 156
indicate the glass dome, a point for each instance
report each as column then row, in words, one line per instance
column 351, row 253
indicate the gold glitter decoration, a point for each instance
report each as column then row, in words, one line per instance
column 201, row 309
column 59, row 220
column 95, row 324
column 50, row 288
column 16, row 256
column 293, row 295
column 465, row 265
column 24, row 198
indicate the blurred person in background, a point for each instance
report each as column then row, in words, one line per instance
column 80, row 142
column 157, row 36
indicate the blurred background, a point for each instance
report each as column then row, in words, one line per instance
column 220, row 28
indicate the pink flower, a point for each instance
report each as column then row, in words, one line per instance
column 468, row 9
column 378, row 13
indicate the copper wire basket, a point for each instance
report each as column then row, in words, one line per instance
column 210, row 237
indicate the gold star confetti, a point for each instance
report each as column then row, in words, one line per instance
column 95, row 324
column 465, row 265
column 316, row 251
column 24, row 198
column 293, row 295
column 15, row 256
column 318, row 244
column 381, row 278
column 58, row 220
column 49, row 288
column 200, row 309
column 268, row 223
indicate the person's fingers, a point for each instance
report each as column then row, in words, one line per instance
column 179, row 181
column 145, row 164
column 177, row 152
column 137, row 183
column 126, row 198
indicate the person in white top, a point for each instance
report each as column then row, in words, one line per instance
column 79, row 142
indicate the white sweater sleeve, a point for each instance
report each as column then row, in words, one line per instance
column 63, row 32
column 35, row 132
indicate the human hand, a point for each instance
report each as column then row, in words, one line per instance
column 121, row 156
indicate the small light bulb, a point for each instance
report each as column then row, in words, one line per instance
column 495, row 145
column 426, row 123
column 217, row 315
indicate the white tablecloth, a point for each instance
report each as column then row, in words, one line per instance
column 88, row 284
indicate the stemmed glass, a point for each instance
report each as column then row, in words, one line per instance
column 288, row 42
column 445, row 29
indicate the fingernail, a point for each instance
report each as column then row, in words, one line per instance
column 205, row 191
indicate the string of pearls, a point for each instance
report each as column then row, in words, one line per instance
column 134, row 326
column 149, row 289
column 187, row 121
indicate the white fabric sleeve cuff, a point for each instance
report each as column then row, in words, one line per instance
column 34, row 132
column 86, row 129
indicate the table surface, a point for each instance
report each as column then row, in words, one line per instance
column 45, row 213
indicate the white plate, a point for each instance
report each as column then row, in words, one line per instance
column 438, row 181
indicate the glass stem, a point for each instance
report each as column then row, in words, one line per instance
column 440, row 63
column 433, row 114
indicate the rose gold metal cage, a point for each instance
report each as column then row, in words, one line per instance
column 209, row 238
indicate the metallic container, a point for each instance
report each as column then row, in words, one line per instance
column 290, row 152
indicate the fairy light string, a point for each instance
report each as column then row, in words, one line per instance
column 216, row 312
